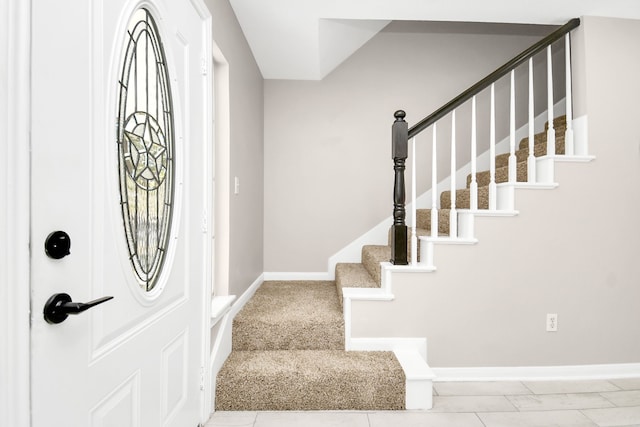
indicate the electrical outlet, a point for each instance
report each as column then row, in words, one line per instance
column 552, row 322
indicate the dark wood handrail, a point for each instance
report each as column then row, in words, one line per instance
column 493, row 77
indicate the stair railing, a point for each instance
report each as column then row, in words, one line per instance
column 401, row 135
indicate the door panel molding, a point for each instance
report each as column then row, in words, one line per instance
column 120, row 405
column 121, row 337
column 174, row 390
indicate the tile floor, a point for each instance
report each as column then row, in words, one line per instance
column 594, row 403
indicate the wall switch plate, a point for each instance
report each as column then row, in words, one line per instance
column 552, row 322
column 236, row 185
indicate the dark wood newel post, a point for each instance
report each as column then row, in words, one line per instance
column 399, row 152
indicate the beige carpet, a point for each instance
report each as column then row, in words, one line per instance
column 310, row 380
column 290, row 316
column 288, row 354
column 288, row 340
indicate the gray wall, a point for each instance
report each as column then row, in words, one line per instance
column 571, row 251
column 247, row 153
column 328, row 171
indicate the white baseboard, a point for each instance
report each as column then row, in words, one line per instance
column 220, row 305
column 246, row 296
column 299, row 275
column 222, row 343
column 539, row 373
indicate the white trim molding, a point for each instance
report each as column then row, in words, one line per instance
column 15, row 71
column 222, row 167
column 418, row 345
column 539, row 373
column 225, row 309
column 298, row 275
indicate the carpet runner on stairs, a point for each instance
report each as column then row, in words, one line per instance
column 368, row 272
column 288, row 354
column 288, row 341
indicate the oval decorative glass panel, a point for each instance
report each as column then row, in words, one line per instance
column 145, row 148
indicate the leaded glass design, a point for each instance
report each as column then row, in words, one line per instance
column 145, row 148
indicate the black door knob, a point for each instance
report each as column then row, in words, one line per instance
column 57, row 245
column 60, row 306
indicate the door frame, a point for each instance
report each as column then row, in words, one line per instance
column 210, row 217
column 15, row 147
column 15, row 405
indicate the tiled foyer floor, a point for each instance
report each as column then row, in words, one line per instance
column 611, row 403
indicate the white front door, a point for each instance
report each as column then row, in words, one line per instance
column 121, row 161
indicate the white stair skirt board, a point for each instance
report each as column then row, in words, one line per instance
column 223, row 311
column 427, row 244
column 506, row 193
column 362, row 294
column 539, row 373
column 419, row 379
column 299, row 275
column 383, row 293
column 466, row 233
column 220, row 305
column 545, row 166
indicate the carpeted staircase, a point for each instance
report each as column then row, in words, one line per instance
column 368, row 272
column 288, row 340
column 288, row 354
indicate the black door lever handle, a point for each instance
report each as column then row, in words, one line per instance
column 59, row 306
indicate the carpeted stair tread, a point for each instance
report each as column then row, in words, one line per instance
column 301, row 315
column 463, row 198
column 558, row 122
column 541, row 138
column 502, row 160
column 521, row 155
column 423, row 221
column 306, row 380
column 501, row 175
column 372, row 256
column 353, row 275
column 540, row 147
column 358, row 275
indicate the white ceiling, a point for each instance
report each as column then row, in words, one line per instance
column 307, row 39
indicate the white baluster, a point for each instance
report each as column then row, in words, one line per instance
column 569, row 149
column 434, row 185
column 531, row 159
column 473, row 187
column 453, row 217
column 492, row 151
column 414, row 236
column 551, row 133
column 513, row 162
